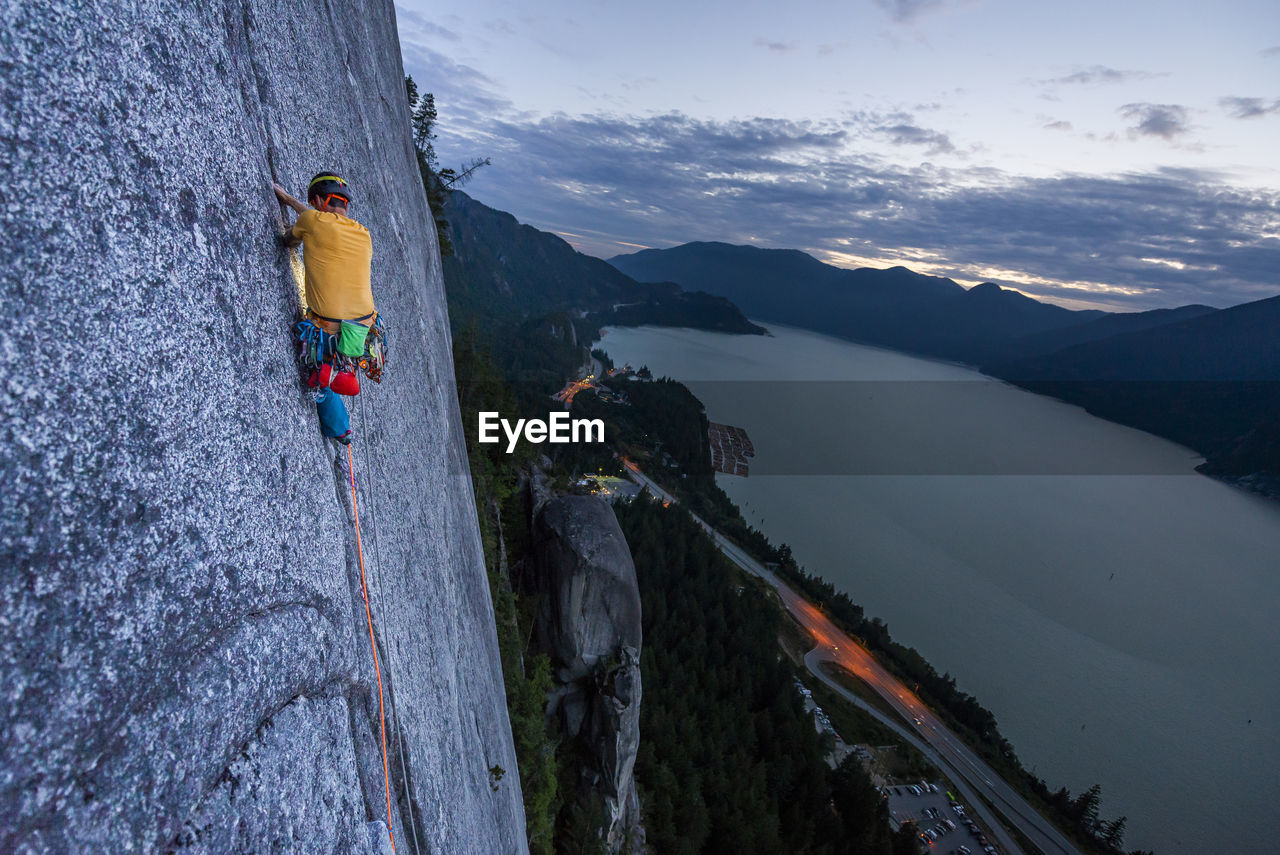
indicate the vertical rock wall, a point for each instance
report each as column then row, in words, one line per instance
column 184, row 656
column 589, row 623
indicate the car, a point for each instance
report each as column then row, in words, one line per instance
column 965, row 850
column 951, row 826
column 982, row 841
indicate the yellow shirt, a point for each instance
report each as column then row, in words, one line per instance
column 336, row 252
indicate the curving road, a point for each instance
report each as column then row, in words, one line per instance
column 971, row 776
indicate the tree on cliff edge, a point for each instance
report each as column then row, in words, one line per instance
column 436, row 181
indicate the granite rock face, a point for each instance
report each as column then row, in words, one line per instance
column 589, row 623
column 184, row 653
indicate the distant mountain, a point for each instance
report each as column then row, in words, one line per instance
column 502, row 268
column 1211, row 382
column 894, row 308
column 1241, row 343
column 504, row 272
column 1038, row 344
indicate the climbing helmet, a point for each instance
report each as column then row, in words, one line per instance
column 326, row 185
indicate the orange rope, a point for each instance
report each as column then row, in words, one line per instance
column 386, row 776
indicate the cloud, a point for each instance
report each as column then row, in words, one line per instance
column 501, row 26
column 664, row 180
column 466, row 98
column 639, row 83
column 421, row 25
column 1060, row 125
column 905, row 134
column 1248, row 108
column 1271, row 51
column 905, row 11
column 777, row 47
column 1100, row 74
column 1157, row 120
column 618, row 180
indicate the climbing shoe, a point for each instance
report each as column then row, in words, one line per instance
column 346, row 438
column 345, row 383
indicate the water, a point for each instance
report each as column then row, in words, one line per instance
column 1116, row 611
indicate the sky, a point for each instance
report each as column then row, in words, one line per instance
column 1096, row 155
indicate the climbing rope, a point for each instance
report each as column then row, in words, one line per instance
column 386, row 775
column 391, row 659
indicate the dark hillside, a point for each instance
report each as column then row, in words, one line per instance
column 1211, row 382
column 505, row 269
column 505, row 273
column 1039, row 344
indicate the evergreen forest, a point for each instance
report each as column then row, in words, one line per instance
column 730, row 762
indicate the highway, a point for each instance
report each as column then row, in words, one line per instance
column 930, row 736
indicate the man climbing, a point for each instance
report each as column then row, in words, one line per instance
column 337, row 253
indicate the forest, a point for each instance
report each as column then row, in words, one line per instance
column 730, row 762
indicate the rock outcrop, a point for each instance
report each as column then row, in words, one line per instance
column 183, row 643
column 589, row 623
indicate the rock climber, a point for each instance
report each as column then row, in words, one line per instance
column 337, row 253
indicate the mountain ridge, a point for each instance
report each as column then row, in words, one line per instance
column 893, row 307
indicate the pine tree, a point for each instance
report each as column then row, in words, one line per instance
column 424, row 120
column 1113, row 832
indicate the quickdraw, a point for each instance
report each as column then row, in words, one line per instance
column 317, row 345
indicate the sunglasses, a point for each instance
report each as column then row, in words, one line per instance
column 333, row 199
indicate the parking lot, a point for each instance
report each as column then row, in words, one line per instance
column 942, row 825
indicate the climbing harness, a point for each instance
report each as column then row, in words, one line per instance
column 355, row 346
column 386, row 774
